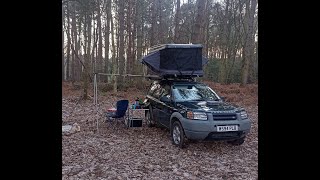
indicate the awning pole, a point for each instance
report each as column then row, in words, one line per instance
column 96, row 89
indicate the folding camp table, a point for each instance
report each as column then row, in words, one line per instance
column 135, row 115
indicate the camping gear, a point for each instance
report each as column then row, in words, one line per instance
column 120, row 112
column 183, row 60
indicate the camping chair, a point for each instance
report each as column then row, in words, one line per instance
column 119, row 113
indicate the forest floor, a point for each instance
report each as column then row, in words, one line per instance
column 147, row 153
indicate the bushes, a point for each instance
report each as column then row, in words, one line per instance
column 233, row 71
column 235, row 93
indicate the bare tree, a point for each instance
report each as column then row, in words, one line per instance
column 77, row 48
column 68, row 43
column 225, row 28
column 121, row 40
column 153, row 22
column 248, row 48
column 197, row 28
column 114, row 54
column 224, row 42
column 63, row 44
column 99, row 58
column 133, row 37
column 87, row 56
column 177, row 19
column 160, row 29
column 129, row 38
column 74, row 40
column 139, row 25
column 106, row 35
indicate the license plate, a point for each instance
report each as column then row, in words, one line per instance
column 227, row 128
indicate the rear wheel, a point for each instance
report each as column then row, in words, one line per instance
column 177, row 134
column 149, row 119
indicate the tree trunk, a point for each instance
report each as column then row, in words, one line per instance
column 78, row 51
column 93, row 61
column 223, row 45
column 153, row 22
column 134, row 37
column 71, row 77
column 87, row 57
column 74, row 41
column 99, row 59
column 236, row 41
column 249, row 40
column 106, row 38
column 89, row 29
column 139, row 25
column 196, row 37
column 177, row 27
column 68, row 43
column 190, row 26
column 161, row 30
column 153, row 27
column 62, row 44
column 84, row 73
column 94, row 52
column 86, row 77
column 129, row 40
column 121, row 41
column 139, row 30
column 114, row 64
column 253, row 60
column 205, row 30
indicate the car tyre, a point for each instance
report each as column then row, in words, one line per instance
column 148, row 117
column 237, row 142
column 177, row 134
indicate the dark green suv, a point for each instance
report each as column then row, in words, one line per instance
column 194, row 111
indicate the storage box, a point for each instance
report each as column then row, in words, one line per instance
column 135, row 122
column 176, row 60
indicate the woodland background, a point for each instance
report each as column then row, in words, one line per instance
column 111, row 36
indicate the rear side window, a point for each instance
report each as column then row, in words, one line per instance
column 158, row 92
column 154, row 89
column 166, row 91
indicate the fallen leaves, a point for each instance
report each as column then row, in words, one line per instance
column 147, row 153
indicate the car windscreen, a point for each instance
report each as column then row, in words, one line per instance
column 193, row 93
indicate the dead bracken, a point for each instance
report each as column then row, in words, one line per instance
column 147, row 153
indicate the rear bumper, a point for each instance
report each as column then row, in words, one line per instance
column 207, row 130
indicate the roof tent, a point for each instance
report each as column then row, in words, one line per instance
column 176, row 60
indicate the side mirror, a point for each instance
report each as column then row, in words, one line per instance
column 165, row 99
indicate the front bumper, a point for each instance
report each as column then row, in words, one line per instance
column 207, row 130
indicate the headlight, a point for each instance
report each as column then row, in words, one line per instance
column 197, row 115
column 243, row 115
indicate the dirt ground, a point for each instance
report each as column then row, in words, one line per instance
column 147, row 153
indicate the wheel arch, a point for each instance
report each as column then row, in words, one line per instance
column 175, row 117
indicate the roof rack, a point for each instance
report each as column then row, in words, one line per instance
column 153, row 77
column 171, row 77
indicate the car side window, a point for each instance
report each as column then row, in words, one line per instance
column 166, row 91
column 158, row 91
column 155, row 85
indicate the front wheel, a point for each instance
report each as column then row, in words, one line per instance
column 237, row 142
column 177, row 134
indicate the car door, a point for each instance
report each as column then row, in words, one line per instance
column 153, row 96
column 165, row 108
